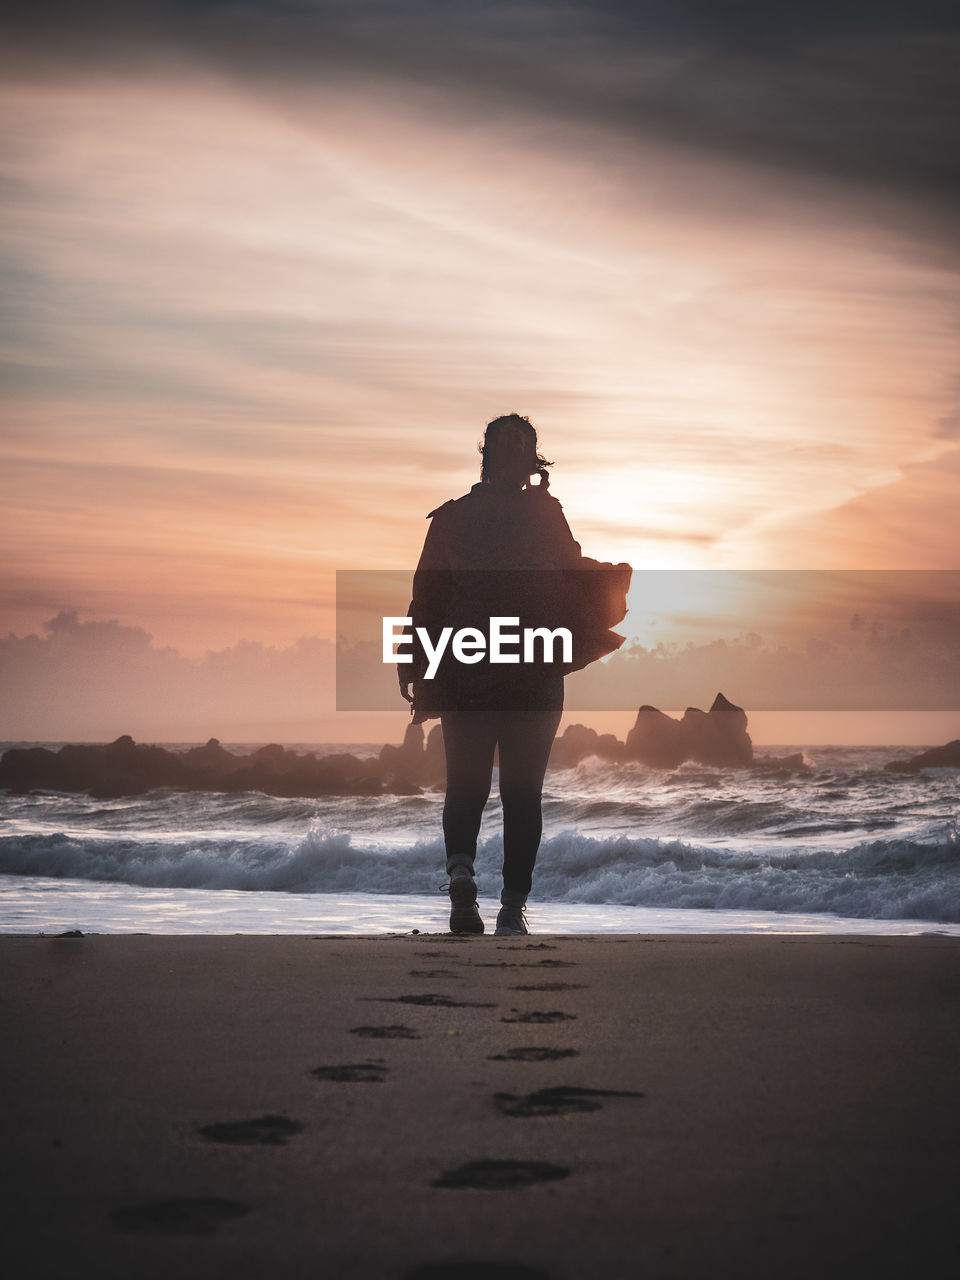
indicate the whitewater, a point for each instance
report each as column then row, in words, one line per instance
column 842, row 847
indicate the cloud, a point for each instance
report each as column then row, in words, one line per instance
column 274, row 265
column 863, row 92
column 93, row 680
column 778, row 641
column 908, row 523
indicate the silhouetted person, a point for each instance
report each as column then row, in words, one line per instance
column 504, row 549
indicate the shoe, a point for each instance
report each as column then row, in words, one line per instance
column 511, row 920
column 464, row 912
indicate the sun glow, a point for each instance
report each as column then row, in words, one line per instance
column 280, row 323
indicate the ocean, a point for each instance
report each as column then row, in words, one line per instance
column 843, row 848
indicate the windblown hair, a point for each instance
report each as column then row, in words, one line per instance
column 538, row 463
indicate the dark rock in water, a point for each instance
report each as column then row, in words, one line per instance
column 945, row 757
column 794, row 761
column 578, row 742
column 434, row 759
column 124, row 768
column 656, row 739
column 717, row 737
column 120, row 768
column 404, row 765
column 609, row 747
column 575, row 744
column 33, row 768
column 210, row 761
column 401, row 787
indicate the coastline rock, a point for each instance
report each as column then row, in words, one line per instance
column 791, row 762
column 945, row 757
column 29, row 768
column 120, row 768
column 404, row 765
column 577, row 742
column 209, row 763
column 123, row 768
column 717, row 737
column 656, row 739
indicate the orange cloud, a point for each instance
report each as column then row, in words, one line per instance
column 261, row 332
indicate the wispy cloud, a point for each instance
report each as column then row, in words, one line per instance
column 274, row 266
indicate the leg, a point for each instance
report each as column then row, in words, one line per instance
column 469, row 740
column 525, row 741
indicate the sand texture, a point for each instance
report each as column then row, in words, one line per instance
column 559, row 1107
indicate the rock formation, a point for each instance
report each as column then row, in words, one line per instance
column 577, row 742
column 945, row 757
column 656, row 739
column 124, row 768
column 716, row 737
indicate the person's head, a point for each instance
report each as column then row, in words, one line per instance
column 510, row 454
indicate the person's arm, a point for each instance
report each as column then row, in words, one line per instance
column 569, row 549
column 572, row 554
column 596, row 596
column 431, row 587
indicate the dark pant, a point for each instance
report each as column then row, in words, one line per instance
column 524, row 739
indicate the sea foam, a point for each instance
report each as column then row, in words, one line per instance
column 883, row 879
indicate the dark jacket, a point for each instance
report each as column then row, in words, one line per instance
column 508, row 553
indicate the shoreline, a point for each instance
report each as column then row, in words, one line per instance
column 797, row 1110
column 100, row 908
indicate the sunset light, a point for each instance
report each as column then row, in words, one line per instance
column 480, row 638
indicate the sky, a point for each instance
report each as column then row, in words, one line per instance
column 271, row 267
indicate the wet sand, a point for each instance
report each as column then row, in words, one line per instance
column 694, row 1106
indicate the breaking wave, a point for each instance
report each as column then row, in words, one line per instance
column 885, row 879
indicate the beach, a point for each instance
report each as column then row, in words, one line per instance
column 552, row 1106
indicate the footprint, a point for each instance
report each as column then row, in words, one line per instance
column 533, row 1053
column 356, row 1072
column 551, row 1015
column 475, row 1271
column 551, row 986
column 558, row 1101
column 501, row 1175
column 181, row 1217
column 438, row 1001
column 386, row 1033
column 272, row 1131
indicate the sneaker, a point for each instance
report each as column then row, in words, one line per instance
column 464, row 912
column 511, row 920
